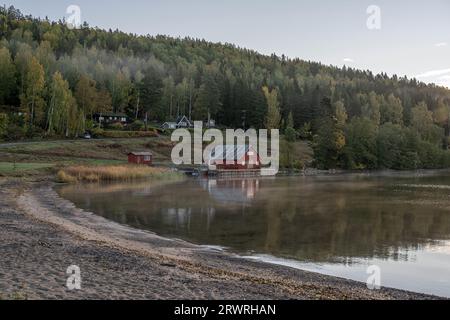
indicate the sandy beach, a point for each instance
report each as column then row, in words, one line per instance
column 42, row 235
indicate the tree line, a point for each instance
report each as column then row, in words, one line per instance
column 54, row 79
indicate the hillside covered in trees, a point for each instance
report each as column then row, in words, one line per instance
column 53, row 79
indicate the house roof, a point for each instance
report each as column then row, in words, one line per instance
column 229, row 152
column 142, row 153
column 182, row 118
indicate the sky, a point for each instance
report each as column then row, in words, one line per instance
column 403, row 37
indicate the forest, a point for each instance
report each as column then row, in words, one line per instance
column 54, row 79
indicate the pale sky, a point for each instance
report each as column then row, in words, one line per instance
column 413, row 39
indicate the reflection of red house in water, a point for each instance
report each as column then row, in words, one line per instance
column 140, row 158
column 232, row 190
column 234, row 157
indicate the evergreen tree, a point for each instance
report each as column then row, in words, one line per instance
column 207, row 104
column 151, row 93
column 290, row 133
column 8, row 77
column 328, row 144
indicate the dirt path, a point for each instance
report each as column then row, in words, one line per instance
column 42, row 235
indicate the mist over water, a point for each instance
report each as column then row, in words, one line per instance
column 336, row 225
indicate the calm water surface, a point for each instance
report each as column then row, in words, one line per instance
column 337, row 225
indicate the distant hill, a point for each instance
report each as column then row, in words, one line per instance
column 60, row 77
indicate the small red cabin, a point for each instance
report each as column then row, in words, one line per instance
column 145, row 158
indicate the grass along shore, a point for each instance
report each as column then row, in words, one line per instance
column 37, row 160
column 11, row 167
column 84, row 173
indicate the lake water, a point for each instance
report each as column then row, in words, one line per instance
column 336, row 225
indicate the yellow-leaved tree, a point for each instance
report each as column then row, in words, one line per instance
column 273, row 117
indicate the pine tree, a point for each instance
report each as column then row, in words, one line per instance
column 208, row 102
column 151, row 94
column 7, row 78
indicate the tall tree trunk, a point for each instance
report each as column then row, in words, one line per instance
column 49, row 117
column 171, row 106
column 32, row 112
column 137, row 107
column 190, row 100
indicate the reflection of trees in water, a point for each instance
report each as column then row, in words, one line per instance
column 306, row 220
column 339, row 223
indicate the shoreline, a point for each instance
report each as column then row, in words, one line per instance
column 42, row 234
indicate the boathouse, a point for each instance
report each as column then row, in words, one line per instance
column 145, row 158
column 234, row 157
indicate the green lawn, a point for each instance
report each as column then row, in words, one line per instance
column 89, row 150
column 10, row 167
column 96, row 161
column 37, row 157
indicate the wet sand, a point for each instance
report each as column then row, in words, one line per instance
column 41, row 235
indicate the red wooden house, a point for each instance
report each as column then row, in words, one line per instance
column 234, row 157
column 145, row 158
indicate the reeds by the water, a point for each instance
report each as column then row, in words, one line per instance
column 82, row 173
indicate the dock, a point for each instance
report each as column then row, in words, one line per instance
column 238, row 173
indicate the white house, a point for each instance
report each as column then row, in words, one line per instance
column 181, row 122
